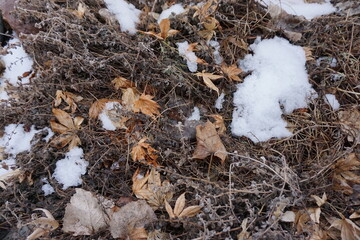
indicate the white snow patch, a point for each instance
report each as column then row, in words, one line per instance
column 217, row 56
column 68, row 171
column 278, row 84
column 333, row 102
column 195, row 115
column 301, row 8
column 219, row 101
column 332, row 62
column 17, row 62
column 174, row 9
column 50, row 134
column 47, row 188
column 183, row 48
column 126, row 14
column 104, row 117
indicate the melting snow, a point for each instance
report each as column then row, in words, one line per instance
column 183, row 48
column 219, row 101
column 174, row 9
column 195, row 115
column 333, row 102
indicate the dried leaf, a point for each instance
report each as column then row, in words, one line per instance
column 64, row 118
column 350, row 124
column 179, row 205
column 7, row 177
column 129, row 97
column 206, row 9
column 210, row 24
column 80, row 11
column 143, row 151
column 209, row 142
column 232, row 72
column 320, row 201
column 122, row 83
column 165, row 30
column 147, row 106
column 98, row 106
column 345, row 174
column 169, row 209
column 219, row 123
column 190, row 211
column 130, row 220
column 244, row 234
column 84, row 214
column 44, row 225
column 308, row 53
column 349, row 230
column 68, row 97
column 208, row 78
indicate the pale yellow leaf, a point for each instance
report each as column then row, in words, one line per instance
column 179, row 205
column 169, row 209
column 190, row 211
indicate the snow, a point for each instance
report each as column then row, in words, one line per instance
column 104, row 117
column 174, row 9
column 183, row 48
column 17, row 62
column 333, row 102
column 47, row 188
column 126, row 14
column 219, row 101
column 278, row 84
column 301, row 8
column 332, row 62
column 195, row 115
column 68, row 171
column 217, row 56
column 16, row 140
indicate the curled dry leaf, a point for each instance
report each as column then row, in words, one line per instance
column 210, row 24
column 147, row 106
column 206, row 9
column 129, row 97
column 43, row 225
column 67, row 128
column 6, row 178
column 165, row 30
column 219, row 123
column 345, row 174
column 350, row 124
column 68, row 97
column 232, row 72
column 122, row 83
column 98, row 106
column 84, row 214
column 143, row 151
column 320, row 201
column 179, row 210
column 150, row 188
column 208, row 78
column 209, row 142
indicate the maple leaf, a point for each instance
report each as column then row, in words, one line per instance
column 44, row 225
column 350, row 124
column 345, row 174
column 179, row 211
column 146, row 105
column 67, row 128
column 206, row 9
column 68, row 97
column 150, row 188
column 165, row 30
column 208, row 78
column 232, row 72
column 129, row 97
column 143, row 151
column 209, row 142
column 120, row 82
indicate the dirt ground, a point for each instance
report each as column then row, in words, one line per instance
column 257, row 182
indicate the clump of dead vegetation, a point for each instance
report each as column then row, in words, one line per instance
column 303, row 186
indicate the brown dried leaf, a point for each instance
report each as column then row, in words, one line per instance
column 320, row 201
column 190, row 211
column 64, row 118
column 43, row 224
column 97, row 107
column 232, row 72
column 219, row 123
column 308, row 53
column 57, row 127
column 208, row 78
column 209, row 142
column 84, row 214
column 120, row 82
column 206, row 9
column 79, row 13
column 165, row 30
column 7, row 177
column 244, row 234
column 129, row 97
column 68, row 97
column 169, row 210
column 345, row 174
column 179, row 205
column 349, row 230
column 147, row 106
column 138, row 234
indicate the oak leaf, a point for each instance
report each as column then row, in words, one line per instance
column 209, row 142
column 151, row 188
column 68, row 97
column 179, row 211
column 43, row 225
column 147, row 106
column 232, row 72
